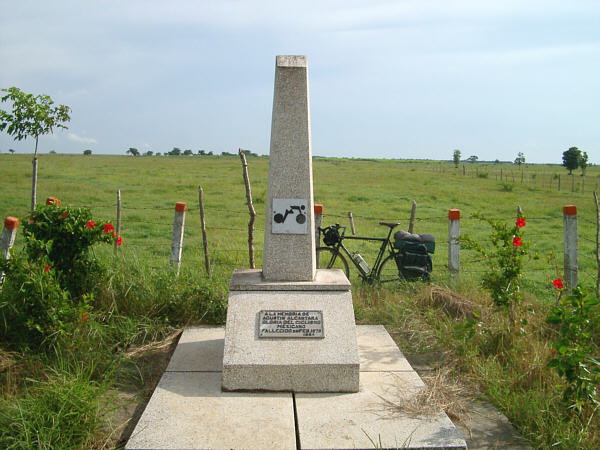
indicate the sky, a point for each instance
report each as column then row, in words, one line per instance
column 388, row 79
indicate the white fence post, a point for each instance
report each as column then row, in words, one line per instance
column 7, row 239
column 318, row 221
column 453, row 243
column 571, row 259
column 177, row 242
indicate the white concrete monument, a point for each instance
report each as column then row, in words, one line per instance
column 290, row 327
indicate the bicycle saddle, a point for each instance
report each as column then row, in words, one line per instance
column 392, row 225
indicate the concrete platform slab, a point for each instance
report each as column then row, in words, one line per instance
column 325, row 280
column 370, row 419
column 378, row 352
column 328, row 364
column 189, row 411
column 200, row 349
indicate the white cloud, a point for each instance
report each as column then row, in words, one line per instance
column 83, row 140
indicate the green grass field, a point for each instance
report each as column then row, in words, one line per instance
column 56, row 396
column 372, row 190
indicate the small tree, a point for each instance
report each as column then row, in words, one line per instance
column 583, row 163
column 187, row 152
column 133, row 151
column 472, row 158
column 456, row 158
column 571, row 159
column 32, row 116
column 12, row 152
column 87, row 152
column 148, row 153
column 175, row 152
column 520, row 159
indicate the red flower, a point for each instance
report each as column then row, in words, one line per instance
column 65, row 213
column 90, row 224
column 84, row 316
column 553, row 352
column 31, row 220
column 520, row 222
column 119, row 240
column 108, row 228
column 47, row 268
column 517, row 242
column 558, row 284
column 114, row 234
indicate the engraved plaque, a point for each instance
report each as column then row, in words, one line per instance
column 290, row 324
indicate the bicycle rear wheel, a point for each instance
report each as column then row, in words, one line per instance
column 325, row 260
column 389, row 271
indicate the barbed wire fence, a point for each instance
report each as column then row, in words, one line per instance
column 133, row 216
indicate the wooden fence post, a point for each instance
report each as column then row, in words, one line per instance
column 7, row 239
column 177, row 241
column 453, row 243
column 413, row 211
column 570, row 236
column 351, row 219
column 251, row 209
column 559, row 182
column 204, row 239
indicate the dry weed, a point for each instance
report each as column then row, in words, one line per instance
column 453, row 303
column 136, row 352
column 441, row 393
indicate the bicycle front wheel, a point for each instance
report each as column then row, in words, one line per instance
column 389, row 271
column 325, row 260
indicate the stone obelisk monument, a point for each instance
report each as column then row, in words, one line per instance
column 289, row 250
column 290, row 326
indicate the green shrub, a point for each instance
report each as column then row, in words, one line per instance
column 49, row 285
column 573, row 356
column 33, row 306
column 482, row 174
column 507, row 187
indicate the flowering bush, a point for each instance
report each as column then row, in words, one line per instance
column 47, row 287
column 64, row 236
column 504, row 260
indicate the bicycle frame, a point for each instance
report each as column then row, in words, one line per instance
column 372, row 275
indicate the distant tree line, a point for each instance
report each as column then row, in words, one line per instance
column 176, row 151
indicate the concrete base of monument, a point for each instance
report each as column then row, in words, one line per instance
column 325, row 359
column 189, row 410
column 325, row 280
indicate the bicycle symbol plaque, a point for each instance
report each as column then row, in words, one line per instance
column 289, row 216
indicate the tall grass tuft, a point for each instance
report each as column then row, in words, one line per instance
column 66, row 410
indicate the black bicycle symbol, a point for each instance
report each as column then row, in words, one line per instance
column 300, row 217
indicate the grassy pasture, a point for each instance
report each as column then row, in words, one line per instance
column 373, row 190
column 142, row 302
